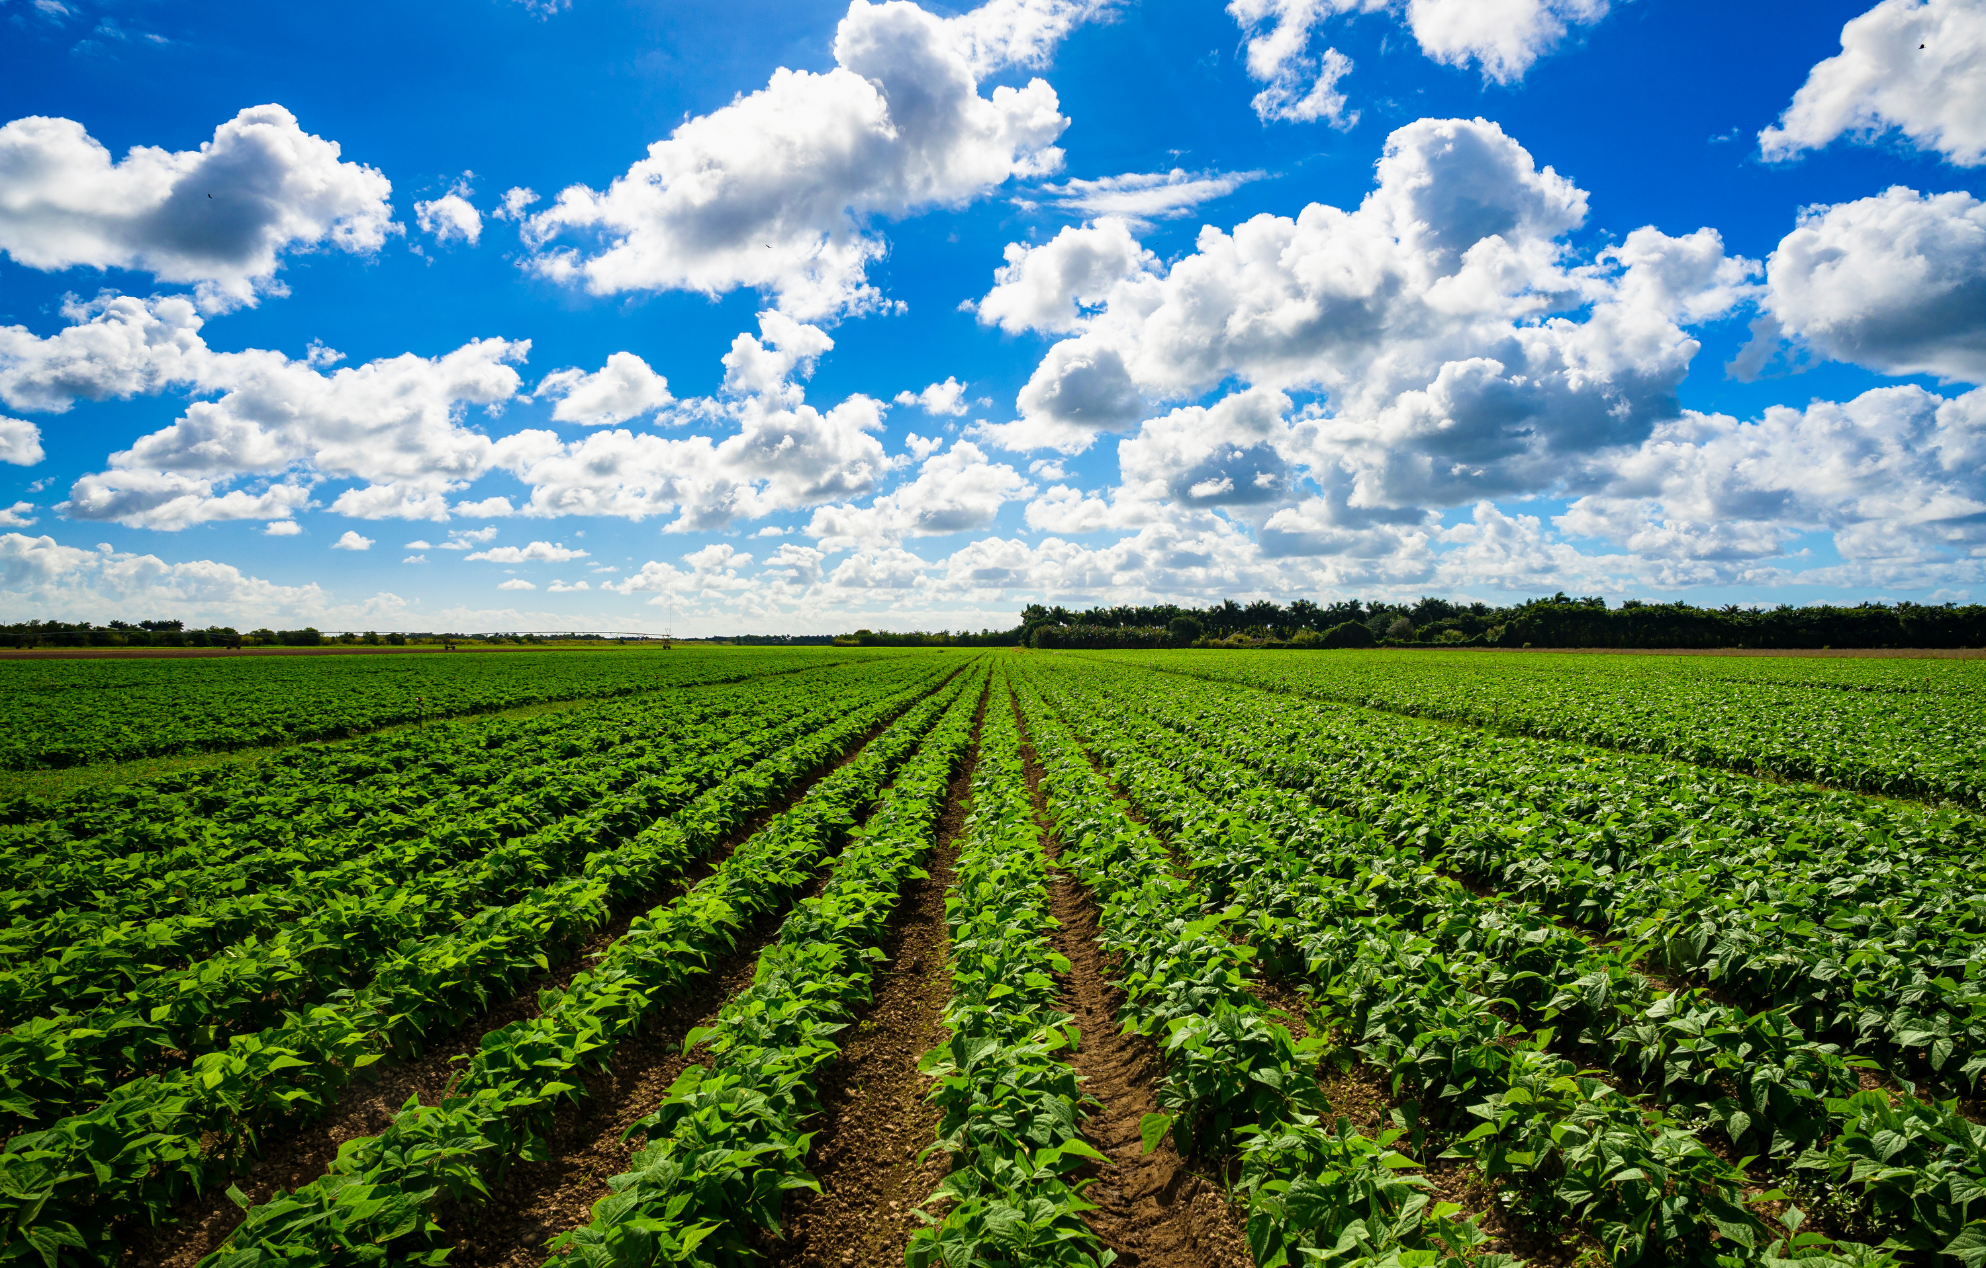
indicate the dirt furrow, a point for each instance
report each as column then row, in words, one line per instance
column 876, row 1121
column 1364, row 1097
column 536, row 1202
column 1151, row 1208
column 293, row 1154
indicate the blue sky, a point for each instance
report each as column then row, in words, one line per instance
column 1496, row 357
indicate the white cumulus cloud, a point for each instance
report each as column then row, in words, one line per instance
column 450, row 218
column 954, row 492
column 1914, row 67
column 394, row 423
column 352, row 541
column 20, row 442
column 1504, row 38
column 938, row 399
column 535, row 553
column 219, row 217
column 1896, row 283
column 621, row 389
column 1433, row 322
column 777, row 190
column 41, row 574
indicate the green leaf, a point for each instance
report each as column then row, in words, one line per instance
column 1152, row 1131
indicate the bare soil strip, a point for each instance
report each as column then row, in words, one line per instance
column 877, row 1121
column 536, row 1202
column 1355, row 1092
column 294, row 1154
column 1152, row 1209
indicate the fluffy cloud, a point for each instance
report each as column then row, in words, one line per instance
column 939, row 399
column 352, row 541
column 40, row 574
column 1301, row 87
column 1897, row 475
column 1896, row 283
column 450, row 218
column 284, row 528
column 1231, row 455
column 516, row 583
column 219, row 217
column 1004, row 33
column 953, row 492
column 1909, row 66
column 711, row 569
column 169, row 500
column 1140, row 197
column 20, row 442
column 17, row 516
column 1068, row 512
column 1051, row 287
column 535, row 553
column 776, row 190
column 1503, row 37
column 394, row 423
column 783, row 455
column 621, row 389
column 1431, row 321
column 460, row 539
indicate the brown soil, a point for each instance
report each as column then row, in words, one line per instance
column 296, row 1153
column 1151, row 1208
column 535, row 1202
column 876, row 1121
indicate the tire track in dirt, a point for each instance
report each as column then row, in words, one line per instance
column 877, row 1120
column 298, row 1152
column 1153, row 1209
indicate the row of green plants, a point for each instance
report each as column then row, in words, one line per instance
column 1871, row 940
column 1438, row 986
column 378, row 1201
column 98, row 952
column 1009, row 1102
column 338, row 896
column 59, row 1063
column 1235, row 1077
column 64, row 1190
column 65, row 713
column 729, row 1139
column 1830, row 721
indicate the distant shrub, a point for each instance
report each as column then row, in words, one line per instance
column 1349, row 634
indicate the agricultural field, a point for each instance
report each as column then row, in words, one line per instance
column 955, row 958
column 79, row 712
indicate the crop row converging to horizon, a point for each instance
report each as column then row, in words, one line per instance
column 1382, row 958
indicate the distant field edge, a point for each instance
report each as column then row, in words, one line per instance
column 210, row 653
column 1866, row 653
column 52, row 783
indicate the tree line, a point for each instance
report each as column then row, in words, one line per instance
column 1558, row 621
